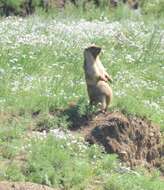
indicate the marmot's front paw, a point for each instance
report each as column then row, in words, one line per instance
column 103, row 78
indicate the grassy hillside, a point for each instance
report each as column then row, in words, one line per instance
column 41, row 70
column 42, row 63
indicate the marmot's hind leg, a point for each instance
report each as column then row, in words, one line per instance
column 108, row 101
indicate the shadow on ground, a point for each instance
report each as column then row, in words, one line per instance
column 136, row 140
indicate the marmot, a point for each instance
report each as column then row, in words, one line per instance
column 96, row 77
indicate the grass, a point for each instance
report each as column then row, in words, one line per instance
column 41, row 71
column 124, row 182
column 42, row 64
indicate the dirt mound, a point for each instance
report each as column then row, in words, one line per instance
column 136, row 140
column 22, row 186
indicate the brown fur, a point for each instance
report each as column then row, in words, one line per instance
column 96, row 77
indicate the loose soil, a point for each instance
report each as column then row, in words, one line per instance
column 22, row 186
column 135, row 140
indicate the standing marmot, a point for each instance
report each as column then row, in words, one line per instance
column 96, row 77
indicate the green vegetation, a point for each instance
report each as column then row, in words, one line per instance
column 64, row 163
column 41, row 72
column 25, row 7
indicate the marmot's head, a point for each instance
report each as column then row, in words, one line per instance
column 93, row 50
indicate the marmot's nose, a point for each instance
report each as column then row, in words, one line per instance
column 98, row 50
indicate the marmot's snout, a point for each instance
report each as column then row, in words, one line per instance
column 97, row 50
